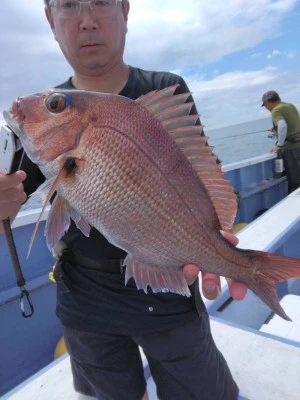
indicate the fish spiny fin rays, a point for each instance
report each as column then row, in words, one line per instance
column 174, row 114
column 157, row 280
column 47, row 191
column 42, row 191
column 59, row 219
column 154, row 97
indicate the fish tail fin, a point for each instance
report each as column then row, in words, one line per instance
column 268, row 269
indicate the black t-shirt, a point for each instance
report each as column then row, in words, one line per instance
column 97, row 301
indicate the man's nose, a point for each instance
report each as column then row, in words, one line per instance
column 86, row 15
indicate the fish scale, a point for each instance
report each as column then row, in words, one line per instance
column 142, row 174
column 138, row 203
column 166, row 234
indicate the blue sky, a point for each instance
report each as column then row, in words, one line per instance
column 279, row 52
column 228, row 52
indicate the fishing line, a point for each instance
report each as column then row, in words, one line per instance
column 242, row 134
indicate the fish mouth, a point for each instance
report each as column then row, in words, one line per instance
column 15, row 117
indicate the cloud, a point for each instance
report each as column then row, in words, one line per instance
column 163, row 35
column 30, row 57
column 274, row 53
column 277, row 53
column 235, row 97
column 198, row 32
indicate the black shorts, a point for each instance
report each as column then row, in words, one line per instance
column 292, row 167
column 184, row 362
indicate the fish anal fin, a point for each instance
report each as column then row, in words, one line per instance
column 158, row 280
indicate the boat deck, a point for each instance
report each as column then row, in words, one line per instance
column 264, row 368
column 278, row 326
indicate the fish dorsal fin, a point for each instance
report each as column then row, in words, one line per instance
column 147, row 100
column 174, row 114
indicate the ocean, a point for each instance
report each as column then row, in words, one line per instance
column 239, row 142
column 231, row 143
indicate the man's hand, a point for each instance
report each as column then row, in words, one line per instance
column 211, row 284
column 12, row 195
column 275, row 148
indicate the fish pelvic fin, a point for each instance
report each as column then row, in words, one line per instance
column 59, row 219
column 46, row 191
column 269, row 268
column 174, row 114
column 158, row 280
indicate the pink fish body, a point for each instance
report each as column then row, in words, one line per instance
column 141, row 173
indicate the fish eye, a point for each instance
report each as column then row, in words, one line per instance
column 56, row 102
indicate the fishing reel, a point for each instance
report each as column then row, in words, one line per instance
column 10, row 146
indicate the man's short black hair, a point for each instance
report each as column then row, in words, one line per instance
column 47, row 2
column 270, row 96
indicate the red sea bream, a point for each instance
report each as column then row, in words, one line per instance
column 141, row 173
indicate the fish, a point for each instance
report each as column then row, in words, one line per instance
column 142, row 173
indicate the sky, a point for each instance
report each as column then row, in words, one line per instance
column 229, row 52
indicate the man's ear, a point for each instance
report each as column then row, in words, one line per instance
column 50, row 20
column 126, row 8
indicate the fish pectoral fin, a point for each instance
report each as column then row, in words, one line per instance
column 43, row 190
column 158, row 280
column 59, row 219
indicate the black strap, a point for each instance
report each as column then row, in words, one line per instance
column 111, row 265
column 18, row 271
column 295, row 137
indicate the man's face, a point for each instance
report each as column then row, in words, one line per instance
column 268, row 105
column 91, row 44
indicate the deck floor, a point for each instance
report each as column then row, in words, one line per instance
column 286, row 329
column 264, row 369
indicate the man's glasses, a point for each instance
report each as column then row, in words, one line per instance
column 72, row 8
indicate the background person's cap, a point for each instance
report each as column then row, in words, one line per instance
column 271, row 95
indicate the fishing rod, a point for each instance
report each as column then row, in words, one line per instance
column 271, row 135
column 9, row 146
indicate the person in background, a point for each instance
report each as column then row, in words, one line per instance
column 286, row 126
column 104, row 322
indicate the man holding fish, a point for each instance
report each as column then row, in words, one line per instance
column 103, row 320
